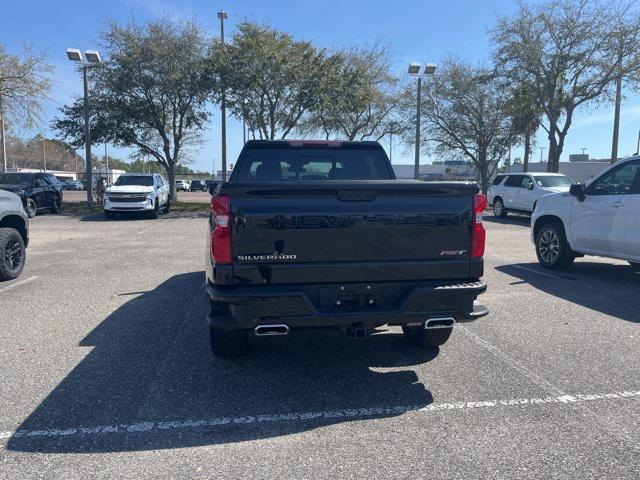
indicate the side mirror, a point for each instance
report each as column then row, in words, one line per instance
column 577, row 190
column 530, row 186
column 212, row 188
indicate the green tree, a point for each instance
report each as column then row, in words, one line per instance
column 359, row 96
column 570, row 52
column 271, row 79
column 525, row 118
column 24, row 87
column 465, row 111
column 151, row 93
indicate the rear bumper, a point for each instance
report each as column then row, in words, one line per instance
column 317, row 306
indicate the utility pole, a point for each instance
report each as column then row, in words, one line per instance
column 583, row 150
column 638, row 146
column 541, row 152
column 616, row 114
column 44, row 154
column 4, row 144
column 222, row 15
column 390, row 145
column 416, row 168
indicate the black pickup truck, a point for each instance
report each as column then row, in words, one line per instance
column 310, row 234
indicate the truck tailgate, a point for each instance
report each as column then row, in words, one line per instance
column 344, row 231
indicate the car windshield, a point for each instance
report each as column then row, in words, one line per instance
column 553, row 181
column 140, row 180
column 16, row 178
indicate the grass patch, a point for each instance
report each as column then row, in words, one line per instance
column 81, row 207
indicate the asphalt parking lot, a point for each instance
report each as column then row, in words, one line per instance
column 107, row 373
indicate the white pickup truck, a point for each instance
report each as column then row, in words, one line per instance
column 599, row 218
column 14, row 235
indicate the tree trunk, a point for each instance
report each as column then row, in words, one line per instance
column 484, row 173
column 171, row 172
column 527, row 151
column 553, row 164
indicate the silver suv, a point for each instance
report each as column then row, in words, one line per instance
column 519, row 192
column 14, row 236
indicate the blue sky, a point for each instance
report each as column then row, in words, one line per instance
column 423, row 30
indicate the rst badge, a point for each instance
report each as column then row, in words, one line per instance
column 452, row 253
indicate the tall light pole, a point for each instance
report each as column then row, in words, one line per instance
column 222, row 15
column 44, row 154
column 106, row 159
column 541, row 152
column 414, row 71
column 93, row 59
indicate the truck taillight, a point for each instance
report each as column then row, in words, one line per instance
column 220, row 230
column 478, row 234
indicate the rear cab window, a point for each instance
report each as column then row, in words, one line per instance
column 311, row 163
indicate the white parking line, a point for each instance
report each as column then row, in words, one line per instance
column 159, row 427
column 21, row 282
column 544, row 274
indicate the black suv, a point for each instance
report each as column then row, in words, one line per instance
column 38, row 191
column 198, row 185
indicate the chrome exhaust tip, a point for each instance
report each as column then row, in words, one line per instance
column 267, row 330
column 440, row 322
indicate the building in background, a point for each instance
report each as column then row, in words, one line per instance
column 577, row 171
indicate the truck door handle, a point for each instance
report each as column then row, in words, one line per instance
column 616, row 204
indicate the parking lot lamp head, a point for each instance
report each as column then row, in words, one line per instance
column 430, row 69
column 92, row 56
column 414, row 68
column 74, row 54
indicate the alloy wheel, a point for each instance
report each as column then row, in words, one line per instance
column 13, row 255
column 549, row 246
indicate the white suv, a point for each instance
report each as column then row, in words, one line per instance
column 600, row 218
column 519, row 192
column 137, row 192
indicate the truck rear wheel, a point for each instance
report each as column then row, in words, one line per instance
column 228, row 343
column 421, row 337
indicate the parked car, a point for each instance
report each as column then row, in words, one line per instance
column 14, row 235
column 600, row 218
column 72, row 185
column 321, row 235
column 137, row 192
column 38, row 191
column 519, row 192
column 182, row 185
column 198, row 185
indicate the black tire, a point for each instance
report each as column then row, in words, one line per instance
column 498, row 208
column 155, row 213
column 552, row 248
column 228, row 343
column 635, row 266
column 421, row 337
column 31, row 208
column 109, row 215
column 13, row 255
column 57, row 205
